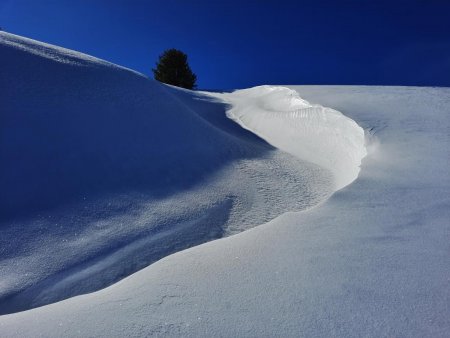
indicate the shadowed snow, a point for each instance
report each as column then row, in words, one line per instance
column 105, row 172
column 371, row 261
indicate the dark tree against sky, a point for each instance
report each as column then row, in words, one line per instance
column 173, row 68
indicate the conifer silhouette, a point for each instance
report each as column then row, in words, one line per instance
column 173, row 68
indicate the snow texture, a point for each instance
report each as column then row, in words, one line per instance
column 320, row 135
column 105, row 172
column 371, row 260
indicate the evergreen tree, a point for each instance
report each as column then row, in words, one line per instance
column 173, row 68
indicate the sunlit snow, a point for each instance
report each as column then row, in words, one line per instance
column 339, row 216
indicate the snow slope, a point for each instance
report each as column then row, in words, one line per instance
column 372, row 260
column 105, row 172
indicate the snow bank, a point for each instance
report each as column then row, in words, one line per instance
column 68, row 121
column 314, row 133
column 372, row 261
column 105, row 171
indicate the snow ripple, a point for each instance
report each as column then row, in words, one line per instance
column 316, row 134
column 97, row 188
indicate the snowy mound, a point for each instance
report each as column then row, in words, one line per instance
column 105, row 171
column 314, row 133
column 68, row 121
column 371, row 261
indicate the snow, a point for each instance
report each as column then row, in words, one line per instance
column 317, row 134
column 371, row 260
column 105, row 171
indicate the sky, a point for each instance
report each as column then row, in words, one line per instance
column 239, row 44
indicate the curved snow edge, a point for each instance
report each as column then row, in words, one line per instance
column 317, row 134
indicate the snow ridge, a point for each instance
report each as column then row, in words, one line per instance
column 105, row 171
column 317, row 134
column 112, row 171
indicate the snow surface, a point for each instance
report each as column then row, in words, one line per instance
column 321, row 135
column 372, row 260
column 105, row 172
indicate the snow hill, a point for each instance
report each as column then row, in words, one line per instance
column 368, row 260
column 106, row 171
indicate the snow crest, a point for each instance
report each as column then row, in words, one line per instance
column 317, row 134
column 105, row 171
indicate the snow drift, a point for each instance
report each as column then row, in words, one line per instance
column 68, row 121
column 371, row 260
column 105, row 171
column 317, row 134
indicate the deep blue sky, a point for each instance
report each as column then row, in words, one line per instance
column 237, row 44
